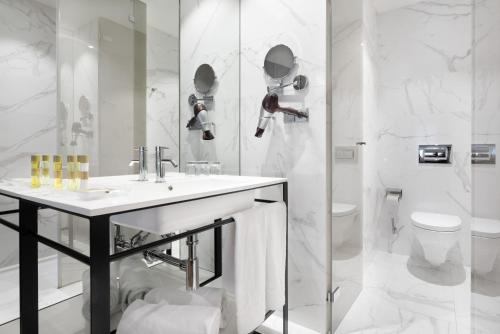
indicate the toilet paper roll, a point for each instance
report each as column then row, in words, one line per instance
column 392, row 198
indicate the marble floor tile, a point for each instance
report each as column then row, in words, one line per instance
column 395, row 300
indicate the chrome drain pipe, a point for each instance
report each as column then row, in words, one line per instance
column 192, row 267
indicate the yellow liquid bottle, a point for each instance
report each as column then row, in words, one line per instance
column 57, row 168
column 45, row 179
column 72, row 169
column 83, row 171
column 35, row 171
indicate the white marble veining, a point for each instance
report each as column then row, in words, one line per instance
column 396, row 301
column 427, row 102
column 294, row 150
column 27, row 98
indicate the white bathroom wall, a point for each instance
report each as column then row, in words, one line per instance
column 210, row 35
column 28, row 100
column 423, row 85
column 292, row 150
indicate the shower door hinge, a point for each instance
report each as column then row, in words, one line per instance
column 330, row 295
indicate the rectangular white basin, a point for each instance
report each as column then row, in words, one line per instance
column 180, row 203
column 190, row 214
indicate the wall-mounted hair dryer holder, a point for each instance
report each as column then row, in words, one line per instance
column 196, row 125
column 192, row 99
column 291, row 118
column 300, row 82
column 200, row 121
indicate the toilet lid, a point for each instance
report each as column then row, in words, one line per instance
column 343, row 209
column 486, row 228
column 436, row 221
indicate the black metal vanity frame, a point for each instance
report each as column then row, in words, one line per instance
column 100, row 257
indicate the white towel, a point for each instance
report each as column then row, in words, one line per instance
column 275, row 255
column 205, row 296
column 136, row 280
column 141, row 317
column 247, row 262
column 114, row 295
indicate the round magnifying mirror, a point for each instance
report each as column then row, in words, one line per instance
column 279, row 61
column 204, row 78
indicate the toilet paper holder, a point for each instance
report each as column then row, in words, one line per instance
column 394, row 191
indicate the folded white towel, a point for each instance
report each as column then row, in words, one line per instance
column 141, row 317
column 136, row 280
column 275, row 255
column 248, row 264
column 114, row 295
column 205, row 296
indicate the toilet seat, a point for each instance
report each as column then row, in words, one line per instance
column 342, row 209
column 436, row 222
column 485, row 228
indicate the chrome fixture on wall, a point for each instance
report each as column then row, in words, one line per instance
column 279, row 66
column 204, row 81
column 270, row 105
column 484, row 154
column 434, row 154
column 200, row 121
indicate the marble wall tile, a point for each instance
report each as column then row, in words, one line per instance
column 28, row 102
column 293, row 150
column 423, row 72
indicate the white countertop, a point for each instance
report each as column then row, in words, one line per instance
column 129, row 194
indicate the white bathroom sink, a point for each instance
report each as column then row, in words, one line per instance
column 181, row 203
column 185, row 215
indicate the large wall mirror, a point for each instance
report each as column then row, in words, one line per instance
column 126, row 70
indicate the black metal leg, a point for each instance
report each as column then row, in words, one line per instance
column 28, row 268
column 285, row 307
column 218, row 251
column 99, row 275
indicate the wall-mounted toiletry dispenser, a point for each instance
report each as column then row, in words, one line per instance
column 204, row 80
column 346, row 153
column 485, row 154
column 434, row 154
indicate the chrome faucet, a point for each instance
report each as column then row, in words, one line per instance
column 143, row 163
column 160, row 163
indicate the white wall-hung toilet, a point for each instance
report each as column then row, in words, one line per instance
column 344, row 219
column 485, row 244
column 436, row 233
